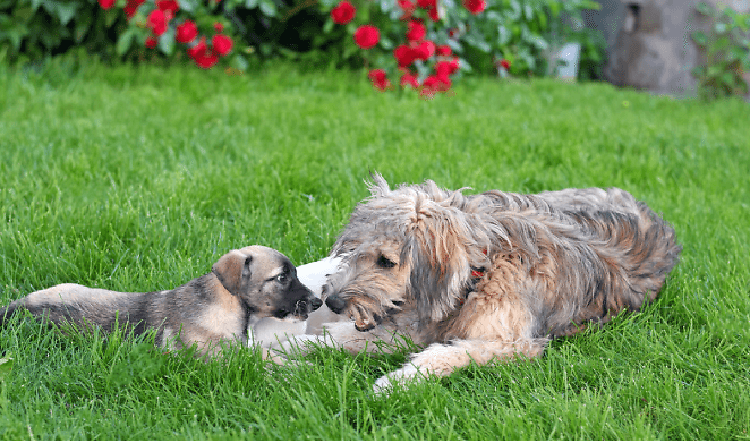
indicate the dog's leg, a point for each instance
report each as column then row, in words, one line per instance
column 494, row 324
column 442, row 359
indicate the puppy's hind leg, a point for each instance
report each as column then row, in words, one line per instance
column 442, row 359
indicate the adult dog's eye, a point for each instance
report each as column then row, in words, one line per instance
column 385, row 262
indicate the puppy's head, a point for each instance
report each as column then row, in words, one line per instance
column 266, row 282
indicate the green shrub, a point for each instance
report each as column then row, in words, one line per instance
column 727, row 52
column 521, row 31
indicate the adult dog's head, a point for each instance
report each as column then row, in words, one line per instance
column 411, row 245
column 266, row 282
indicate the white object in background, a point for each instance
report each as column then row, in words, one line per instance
column 270, row 331
column 566, row 61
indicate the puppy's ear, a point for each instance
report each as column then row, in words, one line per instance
column 231, row 269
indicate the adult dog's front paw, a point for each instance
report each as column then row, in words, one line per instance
column 402, row 377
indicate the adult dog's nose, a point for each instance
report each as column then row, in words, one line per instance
column 336, row 304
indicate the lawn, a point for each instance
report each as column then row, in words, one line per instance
column 138, row 179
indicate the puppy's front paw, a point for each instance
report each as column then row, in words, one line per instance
column 403, row 377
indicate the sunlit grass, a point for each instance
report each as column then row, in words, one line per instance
column 139, row 179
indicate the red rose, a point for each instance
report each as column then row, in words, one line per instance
column 433, row 14
column 443, row 50
column 106, row 4
column 157, row 22
column 475, row 6
column 202, row 56
column 425, row 50
column 404, row 55
column 505, row 64
column 199, row 48
column 150, row 42
column 445, row 69
column 367, row 36
column 218, row 27
column 408, row 7
column 132, row 7
column 427, row 4
column 170, row 6
column 187, row 31
column 221, row 44
column 206, row 60
column 416, row 31
column 379, row 80
column 343, row 13
column 409, row 80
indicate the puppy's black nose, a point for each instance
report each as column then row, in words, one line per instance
column 316, row 303
column 336, row 304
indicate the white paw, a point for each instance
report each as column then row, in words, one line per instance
column 404, row 376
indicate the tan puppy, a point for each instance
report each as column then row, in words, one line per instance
column 242, row 287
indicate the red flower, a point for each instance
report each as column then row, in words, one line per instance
column 198, row 49
column 409, row 80
column 505, row 64
column 425, row 50
column 379, row 80
column 218, row 27
column 475, row 6
column 132, row 7
column 221, row 44
column 168, row 5
column 445, row 69
column 427, row 4
column 408, row 7
column 343, row 13
column 150, row 42
column 206, row 61
column 157, row 22
column 106, row 4
column 187, row 31
column 404, row 55
column 443, row 50
column 433, row 14
column 201, row 55
column 416, row 31
column 367, row 36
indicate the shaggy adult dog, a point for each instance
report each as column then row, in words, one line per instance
column 493, row 275
column 243, row 287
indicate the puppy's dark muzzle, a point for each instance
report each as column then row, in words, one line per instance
column 336, row 304
column 305, row 307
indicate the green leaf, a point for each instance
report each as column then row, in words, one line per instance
column 268, row 8
column 251, row 4
column 704, row 9
column 166, row 42
column 124, row 42
column 728, row 79
column 188, row 5
column 328, row 26
column 700, row 38
column 110, row 17
column 82, row 24
column 239, row 62
column 66, row 12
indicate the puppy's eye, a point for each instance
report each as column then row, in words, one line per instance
column 385, row 262
column 282, row 278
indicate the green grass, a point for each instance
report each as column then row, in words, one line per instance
column 139, row 179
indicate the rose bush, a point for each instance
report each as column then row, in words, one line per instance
column 161, row 23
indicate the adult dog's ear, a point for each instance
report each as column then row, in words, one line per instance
column 231, row 269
